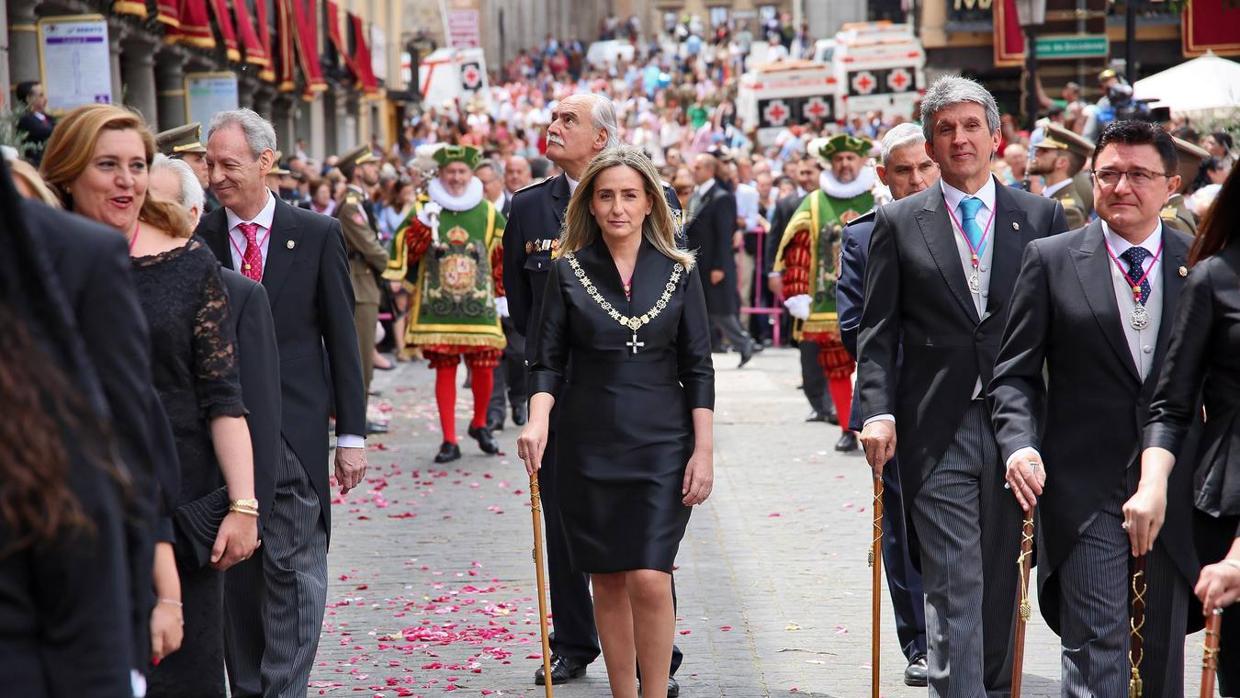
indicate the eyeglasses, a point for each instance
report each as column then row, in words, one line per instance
column 1136, row 178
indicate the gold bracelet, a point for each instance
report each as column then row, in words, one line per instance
column 247, row 503
column 241, row 509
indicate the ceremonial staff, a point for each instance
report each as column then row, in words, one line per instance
column 1023, row 563
column 1209, row 653
column 540, row 576
column 1136, row 623
column 876, row 587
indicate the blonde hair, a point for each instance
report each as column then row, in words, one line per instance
column 27, row 177
column 580, row 227
column 72, row 145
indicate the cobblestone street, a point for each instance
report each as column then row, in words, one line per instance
column 432, row 584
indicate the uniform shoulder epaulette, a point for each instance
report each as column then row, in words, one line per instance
column 1168, row 212
column 531, row 185
column 867, row 217
column 1068, row 201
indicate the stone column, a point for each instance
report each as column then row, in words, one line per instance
column 116, row 35
column 170, row 88
column 330, row 120
column 23, row 41
column 282, row 107
column 262, row 97
column 318, row 132
column 138, row 72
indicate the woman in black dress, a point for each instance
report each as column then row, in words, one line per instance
column 622, row 350
column 1203, row 361
column 98, row 160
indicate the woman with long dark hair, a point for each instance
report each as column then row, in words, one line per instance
column 65, row 608
column 1203, row 364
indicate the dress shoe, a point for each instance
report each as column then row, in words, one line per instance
column 915, row 672
column 520, row 415
column 562, row 669
column 487, row 442
column 448, row 452
column 746, row 354
column 376, row 428
column 816, row 416
column 495, row 421
column 847, row 442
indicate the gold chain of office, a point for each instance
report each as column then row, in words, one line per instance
column 636, row 322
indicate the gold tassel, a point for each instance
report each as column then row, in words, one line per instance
column 1134, row 684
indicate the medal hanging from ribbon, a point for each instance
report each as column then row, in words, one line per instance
column 975, row 252
column 1139, row 318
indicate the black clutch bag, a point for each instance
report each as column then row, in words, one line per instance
column 196, row 524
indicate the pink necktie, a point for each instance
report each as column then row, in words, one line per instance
column 252, row 258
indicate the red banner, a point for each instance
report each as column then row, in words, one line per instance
column 268, row 73
column 1009, row 40
column 193, row 27
column 223, row 21
column 333, row 32
column 284, row 41
column 168, row 12
column 305, row 15
column 248, row 35
column 1211, row 25
column 361, row 57
column 136, row 8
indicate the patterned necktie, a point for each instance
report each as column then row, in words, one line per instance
column 1135, row 257
column 969, row 207
column 252, row 258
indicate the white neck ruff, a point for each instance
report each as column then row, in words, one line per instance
column 471, row 198
column 838, row 190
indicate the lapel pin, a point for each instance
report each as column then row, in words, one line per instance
column 1015, row 225
column 290, row 244
column 1183, row 270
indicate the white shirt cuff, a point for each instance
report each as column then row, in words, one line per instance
column 879, row 418
column 350, row 441
column 1024, row 451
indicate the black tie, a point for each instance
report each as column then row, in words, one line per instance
column 1135, row 257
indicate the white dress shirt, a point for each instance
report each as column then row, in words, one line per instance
column 237, row 245
column 1052, row 189
column 747, row 205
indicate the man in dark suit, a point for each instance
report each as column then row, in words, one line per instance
column 710, row 231
column 299, row 258
column 1076, row 371
column 941, row 268
column 92, row 265
column 582, row 126
column 510, row 373
column 35, row 123
column 906, row 168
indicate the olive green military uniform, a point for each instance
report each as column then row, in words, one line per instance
column 1175, row 212
column 367, row 259
column 1177, row 215
column 1076, row 207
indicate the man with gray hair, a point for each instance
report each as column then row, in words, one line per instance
column 582, row 126
column 906, row 168
column 299, row 258
column 942, row 265
column 175, row 181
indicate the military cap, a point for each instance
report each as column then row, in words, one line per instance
column 1191, row 152
column 180, row 140
column 1107, row 74
column 1060, row 138
column 826, row 148
column 358, row 156
column 458, row 153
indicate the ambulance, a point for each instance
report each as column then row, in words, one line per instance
column 878, row 66
column 785, row 93
column 454, row 75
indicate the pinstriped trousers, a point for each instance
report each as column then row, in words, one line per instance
column 969, row 529
column 1094, row 613
column 295, row 570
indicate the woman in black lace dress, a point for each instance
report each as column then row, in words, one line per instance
column 98, row 159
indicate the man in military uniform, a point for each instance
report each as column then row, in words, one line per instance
column 1175, row 212
column 1059, row 156
column 185, row 143
column 809, row 256
column 367, row 258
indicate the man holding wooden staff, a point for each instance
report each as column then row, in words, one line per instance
column 1086, row 335
column 941, row 268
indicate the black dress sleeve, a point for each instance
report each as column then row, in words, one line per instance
column 550, row 337
column 1175, row 400
column 694, row 366
column 216, row 377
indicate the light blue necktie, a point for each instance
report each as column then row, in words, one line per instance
column 969, row 207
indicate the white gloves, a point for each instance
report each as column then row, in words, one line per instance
column 798, row 306
column 501, row 306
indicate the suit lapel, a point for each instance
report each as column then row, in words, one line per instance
column 1009, row 235
column 283, row 246
column 215, row 230
column 1093, row 269
column 940, row 239
column 649, row 279
column 1175, row 257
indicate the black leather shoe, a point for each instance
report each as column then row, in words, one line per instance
column 915, row 672
column 816, row 416
column 563, row 670
column 448, row 452
column 495, row 421
column 847, row 443
column 746, row 354
column 485, row 440
column 520, row 415
column 673, row 688
column 376, row 428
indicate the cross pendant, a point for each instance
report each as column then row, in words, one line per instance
column 634, row 344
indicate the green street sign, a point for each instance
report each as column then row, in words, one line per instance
column 1064, row 46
